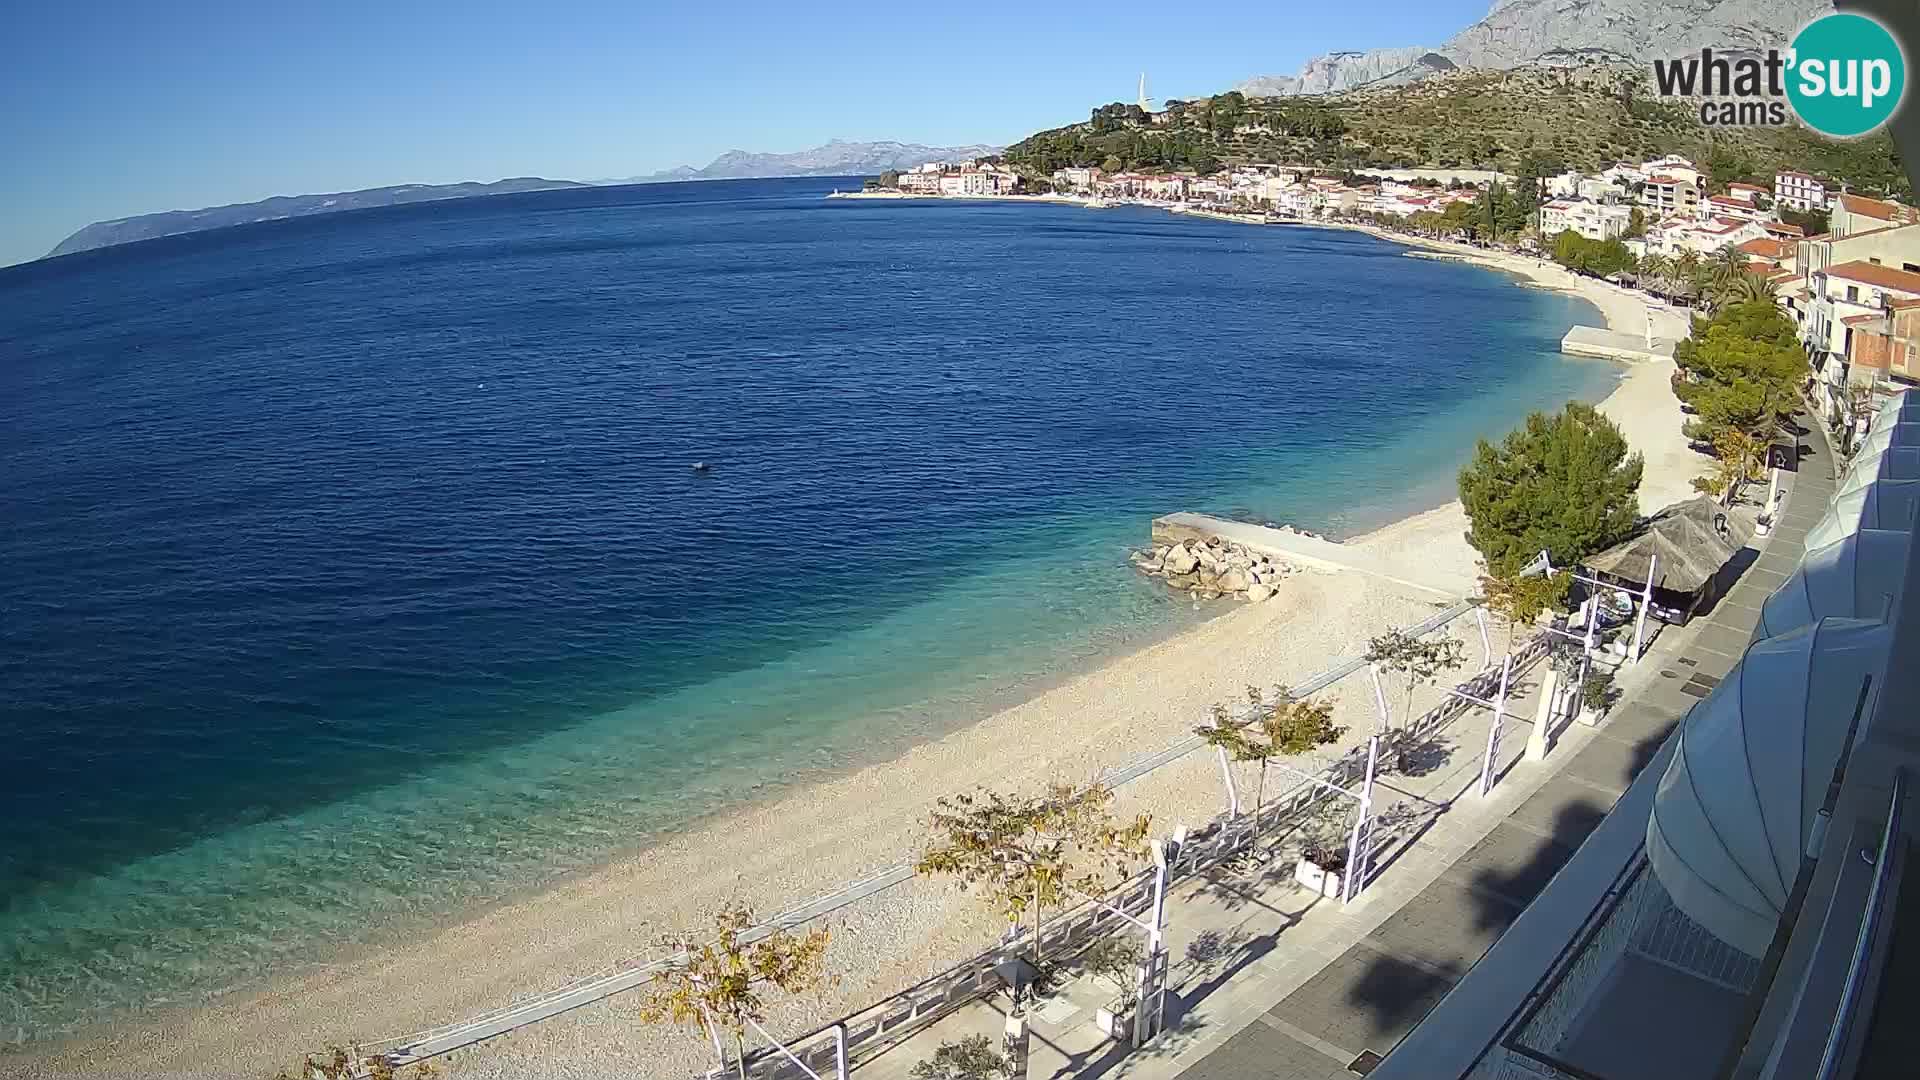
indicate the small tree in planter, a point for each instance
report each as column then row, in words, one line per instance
column 1237, row 742
column 1117, row 960
column 1323, row 853
column 1026, row 855
column 1299, row 726
column 719, row 984
column 1520, row 601
column 1418, row 660
column 971, row 1058
column 1600, row 693
column 1322, row 864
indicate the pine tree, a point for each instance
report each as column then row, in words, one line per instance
column 1564, row 483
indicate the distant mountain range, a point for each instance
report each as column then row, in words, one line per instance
column 173, row 222
column 837, row 158
column 1556, row 33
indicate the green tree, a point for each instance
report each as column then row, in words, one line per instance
column 1563, row 483
column 1418, row 660
column 1599, row 258
column 1519, row 601
column 1742, row 371
column 1029, row 854
column 1636, row 225
column 1295, row 727
column 1812, row 222
column 1737, row 458
column 1237, row 741
column 718, row 986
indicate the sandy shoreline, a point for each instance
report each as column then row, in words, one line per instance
column 810, row 840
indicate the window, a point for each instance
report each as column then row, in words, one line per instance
column 1853, row 294
column 1874, row 259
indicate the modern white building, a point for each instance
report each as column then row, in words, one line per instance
column 1679, row 234
column 1595, row 221
column 1669, row 194
column 1731, row 206
column 1800, row 190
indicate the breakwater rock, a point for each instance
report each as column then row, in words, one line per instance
column 1211, row 568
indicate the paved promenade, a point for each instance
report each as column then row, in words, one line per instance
column 1354, row 1009
column 1271, row 982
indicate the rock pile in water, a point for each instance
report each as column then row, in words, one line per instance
column 1210, row 569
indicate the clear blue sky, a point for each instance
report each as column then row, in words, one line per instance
column 114, row 109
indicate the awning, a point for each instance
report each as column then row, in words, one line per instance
column 1691, row 541
column 1733, row 813
column 1884, row 504
column 1891, row 462
column 1897, row 434
column 1894, row 411
column 1854, row 577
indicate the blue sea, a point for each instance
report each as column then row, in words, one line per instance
column 354, row 570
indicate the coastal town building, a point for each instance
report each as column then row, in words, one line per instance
column 1624, row 174
column 1671, row 194
column 1780, row 230
column 1846, row 298
column 1679, row 234
column 1729, row 206
column 921, row 181
column 1800, row 190
column 1895, row 246
column 1884, row 349
column 1767, row 254
column 1595, row 221
column 1853, row 214
column 1076, row 179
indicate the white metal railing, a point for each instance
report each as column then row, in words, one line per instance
column 632, row 972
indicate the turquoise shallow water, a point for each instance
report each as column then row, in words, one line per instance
column 355, row 572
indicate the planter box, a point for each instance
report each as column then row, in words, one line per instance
column 1115, row 1021
column 1315, row 880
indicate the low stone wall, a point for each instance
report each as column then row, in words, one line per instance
column 1208, row 568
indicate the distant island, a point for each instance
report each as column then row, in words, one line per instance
column 837, row 157
column 174, row 222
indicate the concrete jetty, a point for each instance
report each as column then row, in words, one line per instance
column 1300, row 549
column 1613, row 345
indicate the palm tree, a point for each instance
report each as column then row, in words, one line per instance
column 1657, row 271
column 1686, row 274
column 1727, row 264
column 1741, row 288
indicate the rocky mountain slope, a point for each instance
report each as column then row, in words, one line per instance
column 174, row 222
column 838, row 157
column 1558, row 33
column 1333, row 73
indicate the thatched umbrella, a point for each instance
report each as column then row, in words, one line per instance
column 1685, row 545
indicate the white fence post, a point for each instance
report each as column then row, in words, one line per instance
column 1357, row 849
column 1486, row 642
column 1379, row 698
column 1646, row 601
column 1226, row 773
column 1493, row 729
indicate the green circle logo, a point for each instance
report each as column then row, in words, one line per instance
column 1846, row 75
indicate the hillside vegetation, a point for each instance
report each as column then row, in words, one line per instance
column 1552, row 118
